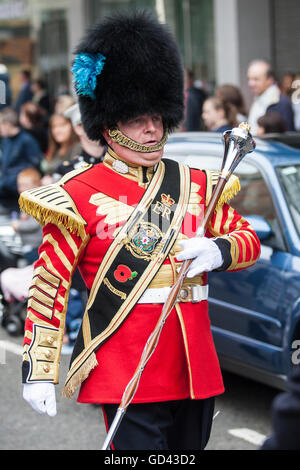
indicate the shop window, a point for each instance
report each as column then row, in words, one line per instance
column 53, row 51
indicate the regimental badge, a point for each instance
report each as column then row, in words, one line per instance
column 120, row 167
column 142, row 242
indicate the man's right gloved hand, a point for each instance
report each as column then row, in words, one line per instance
column 41, row 396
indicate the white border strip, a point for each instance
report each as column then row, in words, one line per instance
column 248, row 435
column 11, row 347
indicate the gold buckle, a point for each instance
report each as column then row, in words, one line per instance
column 185, row 294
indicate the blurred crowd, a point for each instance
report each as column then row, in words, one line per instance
column 42, row 139
column 46, row 133
column 275, row 106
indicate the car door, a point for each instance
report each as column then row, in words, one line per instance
column 246, row 306
column 246, row 309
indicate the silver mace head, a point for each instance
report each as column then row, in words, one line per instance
column 238, row 142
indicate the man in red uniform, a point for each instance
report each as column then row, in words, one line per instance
column 128, row 223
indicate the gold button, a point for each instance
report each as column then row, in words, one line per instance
column 50, row 340
column 46, row 368
column 48, row 354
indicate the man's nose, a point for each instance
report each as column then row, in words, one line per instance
column 150, row 125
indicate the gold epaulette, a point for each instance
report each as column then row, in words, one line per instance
column 231, row 189
column 53, row 204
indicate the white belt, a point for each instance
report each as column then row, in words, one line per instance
column 187, row 294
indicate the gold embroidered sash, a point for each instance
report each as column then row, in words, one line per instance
column 129, row 265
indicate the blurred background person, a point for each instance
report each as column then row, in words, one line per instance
column 267, row 95
column 15, row 281
column 63, row 102
column 29, row 229
column 286, row 84
column 194, row 99
column 19, row 151
column 32, row 119
column 25, row 93
column 295, row 99
column 217, row 115
column 40, row 95
column 63, row 145
column 232, row 95
column 5, row 90
column 270, row 123
column 91, row 151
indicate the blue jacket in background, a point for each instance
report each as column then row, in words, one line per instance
column 285, row 109
column 18, row 153
column 25, row 95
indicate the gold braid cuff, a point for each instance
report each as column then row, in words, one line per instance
column 117, row 136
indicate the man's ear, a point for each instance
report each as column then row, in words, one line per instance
column 106, row 136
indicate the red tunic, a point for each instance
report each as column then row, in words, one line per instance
column 185, row 362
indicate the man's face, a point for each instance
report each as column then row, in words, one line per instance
column 146, row 130
column 258, row 80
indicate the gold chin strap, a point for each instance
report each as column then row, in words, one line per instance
column 117, row 136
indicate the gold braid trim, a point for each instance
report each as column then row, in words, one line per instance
column 117, row 136
column 231, row 189
column 52, row 204
column 79, row 376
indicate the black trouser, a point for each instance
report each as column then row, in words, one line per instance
column 171, row 425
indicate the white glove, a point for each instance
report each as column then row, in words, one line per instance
column 41, row 396
column 206, row 253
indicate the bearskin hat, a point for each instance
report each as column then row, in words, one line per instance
column 128, row 65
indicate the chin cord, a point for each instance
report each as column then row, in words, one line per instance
column 117, row 136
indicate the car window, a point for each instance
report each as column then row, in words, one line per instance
column 254, row 197
column 289, row 176
column 209, row 162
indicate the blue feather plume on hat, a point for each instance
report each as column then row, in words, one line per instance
column 86, row 67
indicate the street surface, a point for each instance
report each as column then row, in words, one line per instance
column 242, row 413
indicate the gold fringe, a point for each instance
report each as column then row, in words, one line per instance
column 44, row 216
column 79, row 376
column 231, row 189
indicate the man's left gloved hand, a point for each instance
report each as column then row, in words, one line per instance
column 41, row 397
column 206, row 253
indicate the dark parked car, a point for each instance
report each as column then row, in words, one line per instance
column 255, row 313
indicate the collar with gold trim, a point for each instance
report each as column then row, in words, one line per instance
column 142, row 175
